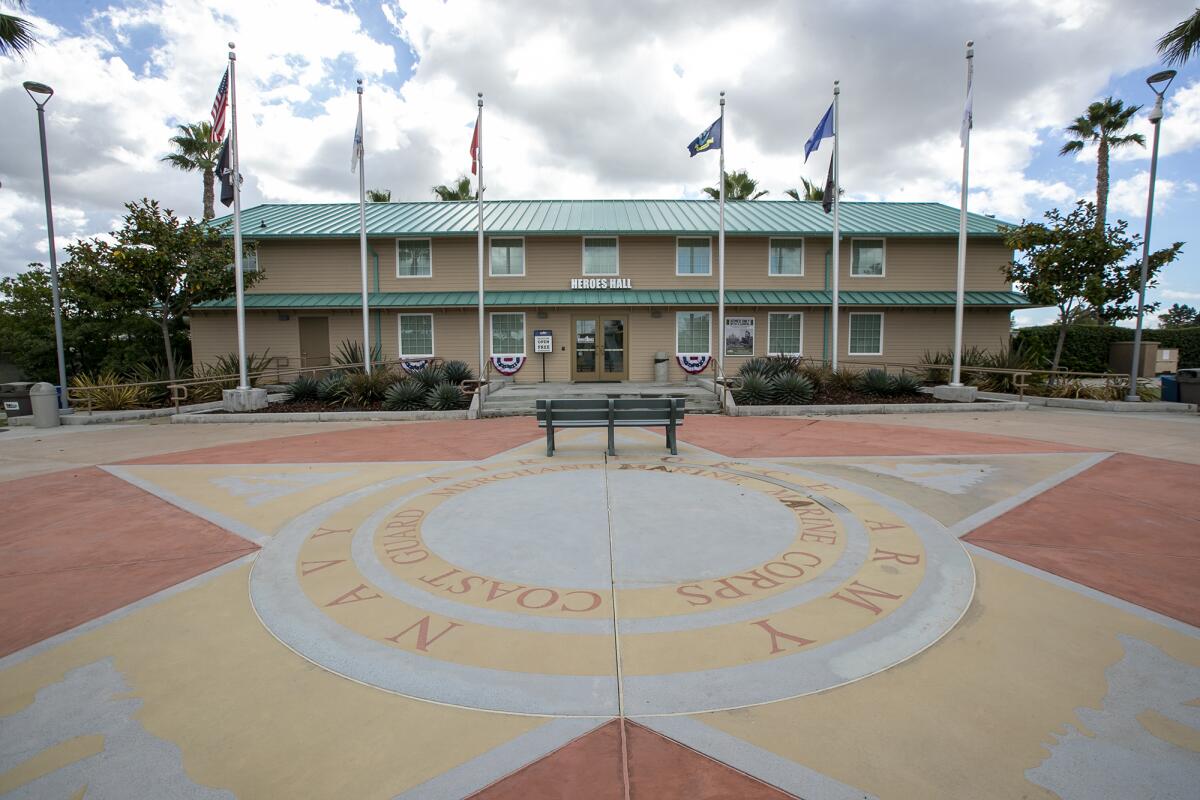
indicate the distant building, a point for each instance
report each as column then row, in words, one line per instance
column 614, row 281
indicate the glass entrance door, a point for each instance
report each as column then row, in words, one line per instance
column 600, row 351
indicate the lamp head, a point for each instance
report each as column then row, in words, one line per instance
column 1165, row 77
column 40, row 92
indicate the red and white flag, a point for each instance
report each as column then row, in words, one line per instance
column 475, row 149
column 218, row 109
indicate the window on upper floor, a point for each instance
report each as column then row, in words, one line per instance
column 867, row 258
column 693, row 256
column 866, row 334
column 414, row 258
column 507, row 257
column 600, row 255
column 787, row 257
column 416, row 335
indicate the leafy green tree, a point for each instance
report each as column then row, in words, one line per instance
column 459, row 189
column 158, row 267
column 1181, row 42
column 194, row 152
column 1179, row 316
column 738, row 186
column 1102, row 126
column 379, row 195
column 16, row 34
column 1068, row 263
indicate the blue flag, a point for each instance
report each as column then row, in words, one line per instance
column 709, row 140
column 824, row 130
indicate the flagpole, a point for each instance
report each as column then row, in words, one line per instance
column 837, row 236
column 956, row 375
column 479, row 208
column 243, row 381
column 362, row 235
column 720, row 354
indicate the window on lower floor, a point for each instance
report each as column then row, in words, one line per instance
column 692, row 330
column 785, row 334
column 508, row 334
column 416, row 335
column 866, row 334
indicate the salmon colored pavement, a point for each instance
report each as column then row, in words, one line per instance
column 1127, row 527
column 659, row 769
column 75, row 545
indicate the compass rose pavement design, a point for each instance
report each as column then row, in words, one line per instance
column 784, row 609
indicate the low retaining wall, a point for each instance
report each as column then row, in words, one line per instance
column 319, row 416
column 78, row 417
column 874, row 408
column 1095, row 405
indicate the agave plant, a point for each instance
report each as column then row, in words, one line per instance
column 754, row 391
column 405, row 395
column 222, row 373
column 429, row 376
column 363, row 389
column 104, row 391
column 753, row 366
column 843, row 379
column 818, row 374
column 457, row 371
column 905, row 384
column 791, row 389
column 155, row 372
column 350, row 355
column 331, row 388
column 303, row 388
column 876, row 382
column 446, row 396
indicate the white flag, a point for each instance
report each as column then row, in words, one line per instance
column 968, row 120
column 358, row 143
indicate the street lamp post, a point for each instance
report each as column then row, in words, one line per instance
column 35, row 91
column 1165, row 77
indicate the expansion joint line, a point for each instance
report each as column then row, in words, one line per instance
column 612, row 582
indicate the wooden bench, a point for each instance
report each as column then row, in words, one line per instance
column 612, row 414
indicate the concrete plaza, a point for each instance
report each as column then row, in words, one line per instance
column 960, row 605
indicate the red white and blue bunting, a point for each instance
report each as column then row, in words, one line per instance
column 414, row 365
column 693, row 363
column 508, row 365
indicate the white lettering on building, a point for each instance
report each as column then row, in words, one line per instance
column 601, row 283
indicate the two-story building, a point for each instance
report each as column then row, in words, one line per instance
column 614, row 282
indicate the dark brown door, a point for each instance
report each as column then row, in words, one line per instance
column 314, row 342
column 600, row 348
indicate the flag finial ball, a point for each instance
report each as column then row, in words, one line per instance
column 970, row 43
column 231, row 45
column 359, row 81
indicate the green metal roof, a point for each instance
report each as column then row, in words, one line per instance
column 621, row 297
column 575, row 217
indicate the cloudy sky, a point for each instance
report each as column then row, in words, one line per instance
column 593, row 99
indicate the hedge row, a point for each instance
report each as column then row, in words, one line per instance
column 1086, row 347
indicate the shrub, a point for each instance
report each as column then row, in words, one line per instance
column 844, row 379
column 405, row 395
column 350, row 355
column 768, row 367
column 905, row 383
column 1016, row 358
column 223, row 374
column 754, row 391
column 446, row 397
column 791, row 389
column 457, row 371
column 429, row 377
column 365, row 389
column 1086, row 346
column 331, row 388
column 155, row 372
column 303, row 388
column 819, row 374
column 876, row 382
column 104, row 392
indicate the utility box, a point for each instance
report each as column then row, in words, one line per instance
column 1120, row 358
column 1189, row 385
column 1167, row 362
column 15, row 399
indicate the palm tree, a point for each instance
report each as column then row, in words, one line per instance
column 1102, row 125
column 459, row 190
column 194, row 151
column 379, row 195
column 1181, row 42
column 738, row 186
column 16, row 34
column 811, row 191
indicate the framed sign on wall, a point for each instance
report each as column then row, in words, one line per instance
column 739, row 336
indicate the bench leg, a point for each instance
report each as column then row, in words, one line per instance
column 549, row 440
column 671, row 440
column 612, row 439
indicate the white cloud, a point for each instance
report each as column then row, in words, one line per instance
column 1176, row 296
column 1180, row 125
column 1127, row 197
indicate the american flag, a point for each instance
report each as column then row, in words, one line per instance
column 218, row 109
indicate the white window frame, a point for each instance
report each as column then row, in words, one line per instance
column 583, row 257
column 849, row 331
column 883, row 273
column 492, row 331
column 708, row 274
column 678, row 314
column 799, row 314
column 400, row 239
column 400, row 336
column 520, row 274
column 803, row 248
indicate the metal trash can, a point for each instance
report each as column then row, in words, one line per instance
column 15, row 397
column 1189, row 385
column 43, row 397
column 1170, row 389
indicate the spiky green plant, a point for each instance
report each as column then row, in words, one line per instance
column 303, row 388
column 457, row 371
column 105, row 391
column 155, row 372
column 405, row 395
column 350, row 355
column 332, row 388
column 753, row 366
column 429, row 376
column 754, row 391
column 768, row 366
column 876, row 382
column 905, row 383
column 819, row 374
column 791, row 389
column 446, row 396
column 363, row 389
column 844, row 379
